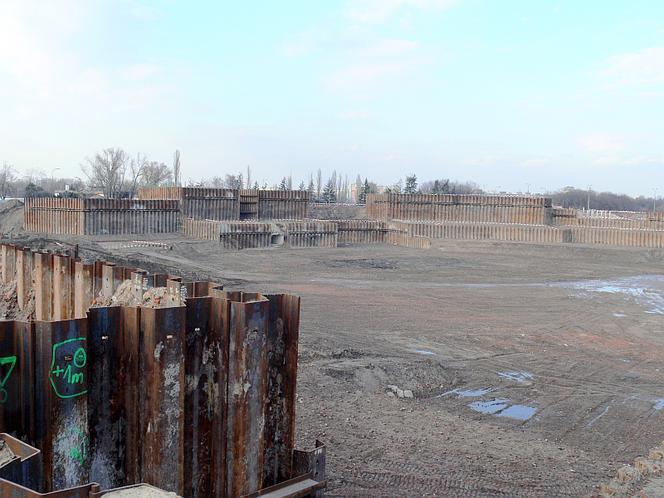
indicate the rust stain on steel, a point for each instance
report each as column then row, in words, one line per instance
column 282, row 346
column 198, row 398
column 61, row 424
column 109, row 414
column 161, row 387
column 206, row 350
column 247, row 353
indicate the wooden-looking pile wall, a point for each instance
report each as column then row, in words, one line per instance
column 249, row 201
column 161, row 193
column 311, row 234
column 231, row 234
column 201, row 229
column 283, row 204
column 482, row 231
column 653, row 239
column 361, row 232
column 125, row 216
column 232, row 204
column 197, row 398
column 53, row 215
column 100, row 216
column 465, row 208
column 210, row 203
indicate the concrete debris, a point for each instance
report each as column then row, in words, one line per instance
column 6, row 454
column 637, row 479
column 9, row 309
column 393, row 390
column 142, row 491
column 127, row 295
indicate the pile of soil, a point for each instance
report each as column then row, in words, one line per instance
column 141, row 491
column 6, row 454
column 9, row 309
column 11, row 216
column 127, row 295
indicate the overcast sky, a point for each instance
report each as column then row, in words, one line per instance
column 505, row 93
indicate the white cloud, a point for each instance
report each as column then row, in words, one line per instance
column 45, row 72
column 641, row 68
column 372, row 64
column 602, row 144
column 377, row 11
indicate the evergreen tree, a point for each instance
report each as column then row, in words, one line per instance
column 330, row 191
column 284, row 184
column 311, row 189
column 366, row 189
column 411, row 185
column 301, row 187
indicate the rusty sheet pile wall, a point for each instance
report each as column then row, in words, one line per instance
column 210, row 203
column 196, row 396
column 232, row 204
column 100, row 216
column 361, row 232
column 283, row 204
column 465, row 208
column 201, row 229
column 633, row 220
column 249, row 204
column 653, row 239
column 310, row 233
column 482, row 231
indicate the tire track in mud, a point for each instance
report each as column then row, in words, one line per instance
column 413, row 482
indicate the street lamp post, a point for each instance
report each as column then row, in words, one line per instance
column 53, row 179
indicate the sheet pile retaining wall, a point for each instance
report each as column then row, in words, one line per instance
column 100, row 216
column 361, row 232
column 653, row 239
column 482, row 231
column 196, row 398
column 465, row 208
column 310, row 233
column 283, row 204
column 233, row 204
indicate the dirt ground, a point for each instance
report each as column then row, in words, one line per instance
column 535, row 370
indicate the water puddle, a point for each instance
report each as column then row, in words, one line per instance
column 518, row 412
column 659, row 404
column 425, row 352
column 520, row 377
column 645, row 290
column 468, row 393
column 606, row 410
column 489, row 407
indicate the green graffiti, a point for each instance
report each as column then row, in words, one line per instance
column 66, row 377
column 80, row 451
column 4, row 362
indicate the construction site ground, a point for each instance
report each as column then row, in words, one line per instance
column 535, row 370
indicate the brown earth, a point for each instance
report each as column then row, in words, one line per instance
column 504, row 320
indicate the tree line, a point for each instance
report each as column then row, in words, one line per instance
column 115, row 173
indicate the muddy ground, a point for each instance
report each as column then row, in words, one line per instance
column 535, row 370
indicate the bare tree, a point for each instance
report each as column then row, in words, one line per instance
column 6, row 178
column 177, row 180
column 319, row 183
column 107, row 170
column 248, row 176
column 136, row 170
column 156, row 174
